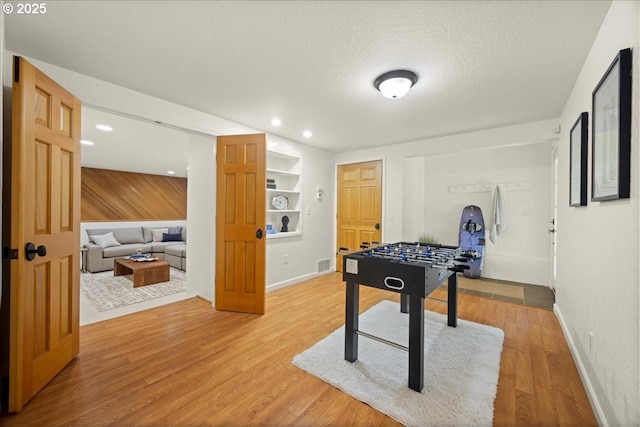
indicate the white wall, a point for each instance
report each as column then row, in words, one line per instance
column 453, row 181
column 201, row 217
column 317, row 218
column 598, row 276
column 409, row 185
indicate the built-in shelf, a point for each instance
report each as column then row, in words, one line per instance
column 276, row 190
column 281, row 172
column 283, row 235
column 283, row 210
column 284, row 169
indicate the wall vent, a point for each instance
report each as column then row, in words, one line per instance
column 324, row 265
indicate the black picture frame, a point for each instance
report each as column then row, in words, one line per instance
column 579, row 145
column 611, row 132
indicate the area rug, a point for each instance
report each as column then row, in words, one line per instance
column 461, row 368
column 107, row 292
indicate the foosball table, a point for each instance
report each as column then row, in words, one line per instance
column 414, row 271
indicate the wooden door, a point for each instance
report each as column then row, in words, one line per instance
column 240, row 223
column 359, row 204
column 45, row 210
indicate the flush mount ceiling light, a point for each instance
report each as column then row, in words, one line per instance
column 395, row 84
column 105, row 128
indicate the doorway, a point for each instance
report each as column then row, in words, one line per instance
column 359, row 207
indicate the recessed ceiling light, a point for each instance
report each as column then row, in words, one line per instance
column 171, row 172
column 105, row 128
column 307, row 134
column 276, row 121
column 86, row 142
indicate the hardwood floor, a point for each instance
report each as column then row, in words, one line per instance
column 186, row 364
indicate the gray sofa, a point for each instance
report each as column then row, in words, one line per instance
column 102, row 250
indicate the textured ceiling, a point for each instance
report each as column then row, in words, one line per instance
column 480, row 64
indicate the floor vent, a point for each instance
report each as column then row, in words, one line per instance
column 324, row 265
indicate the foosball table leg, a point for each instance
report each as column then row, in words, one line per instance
column 452, row 300
column 416, row 343
column 351, row 322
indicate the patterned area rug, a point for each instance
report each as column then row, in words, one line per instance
column 460, row 368
column 107, row 292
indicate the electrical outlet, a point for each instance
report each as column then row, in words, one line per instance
column 285, row 259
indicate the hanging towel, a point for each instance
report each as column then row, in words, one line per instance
column 498, row 217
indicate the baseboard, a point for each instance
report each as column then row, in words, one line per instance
column 591, row 394
column 295, row 280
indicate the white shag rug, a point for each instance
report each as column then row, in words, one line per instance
column 107, row 292
column 461, row 368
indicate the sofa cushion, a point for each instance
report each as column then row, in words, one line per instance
column 175, row 230
column 168, row 237
column 129, row 235
column 122, row 235
column 176, row 250
column 156, row 234
column 124, row 250
column 106, row 240
column 160, row 247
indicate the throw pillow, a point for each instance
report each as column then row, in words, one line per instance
column 106, row 240
column 175, row 230
column 157, row 234
column 167, row 237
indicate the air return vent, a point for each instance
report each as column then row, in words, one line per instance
column 323, row 265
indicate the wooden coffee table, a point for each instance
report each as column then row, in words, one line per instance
column 144, row 272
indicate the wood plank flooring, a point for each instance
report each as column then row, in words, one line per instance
column 186, row 364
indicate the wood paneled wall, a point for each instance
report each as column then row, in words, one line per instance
column 109, row 195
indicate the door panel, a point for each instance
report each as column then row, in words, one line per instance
column 240, row 253
column 45, row 210
column 359, row 204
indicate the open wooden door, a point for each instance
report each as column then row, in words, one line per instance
column 45, row 232
column 359, row 204
column 240, row 223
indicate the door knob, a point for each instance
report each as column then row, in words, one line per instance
column 31, row 251
column 377, row 226
column 259, row 233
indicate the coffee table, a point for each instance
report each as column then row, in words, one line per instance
column 144, row 272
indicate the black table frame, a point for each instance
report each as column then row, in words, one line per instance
column 415, row 306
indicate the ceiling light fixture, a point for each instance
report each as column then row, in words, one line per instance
column 276, row 121
column 86, row 142
column 307, row 134
column 395, row 84
column 105, row 128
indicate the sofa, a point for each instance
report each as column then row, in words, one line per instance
column 106, row 244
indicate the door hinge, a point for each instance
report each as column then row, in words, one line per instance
column 8, row 253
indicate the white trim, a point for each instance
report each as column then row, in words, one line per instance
column 591, row 394
column 296, row 280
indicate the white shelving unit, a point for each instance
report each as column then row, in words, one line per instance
column 284, row 169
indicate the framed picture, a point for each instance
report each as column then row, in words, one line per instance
column 611, row 131
column 578, row 165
